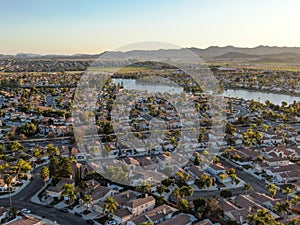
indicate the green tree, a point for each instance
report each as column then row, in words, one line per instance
column 88, row 200
column 69, row 192
column 176, row 193
column 287, row 191
column 272, row 189
column 45, row 173
column 247, row 187
column 110, row 205
column 53, row 166
column 15, row 146
column 65, row 167
column 22, row 166
column 262, row 217
column 8, row 179
column 183, row 205
column 186, row 191
column 160, row 189
column 143, row 187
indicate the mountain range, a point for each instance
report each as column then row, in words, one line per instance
column 256, row 54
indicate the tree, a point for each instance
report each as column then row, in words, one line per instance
column 88, row 200
column 8, row 179
column 69, row 192
column 23, row 166
column 262, row 217
column 197, row 159
column 247, row 187
column 200, row 204
column 294, row 221
column 65, row 167
column 230, row 129
column 147, row 223
column 282, row 208
column 15, row 146
column 183, row 205
column 272, row 189
column 226, row 193
column 176, row 193
column 53, row 165
column 111, row 205
column 45, row 173
column 52, row 150
column 84, row 185
column 287, row 191
column 161, row 189
column 143, row 187
column 186, row 191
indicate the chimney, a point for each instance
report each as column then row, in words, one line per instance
column 146, row 195
column 165, row 211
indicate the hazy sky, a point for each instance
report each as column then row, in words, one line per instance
column 92, row 26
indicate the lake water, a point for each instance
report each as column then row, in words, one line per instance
column 261, row 96
column 131, row 84
column 245, row 94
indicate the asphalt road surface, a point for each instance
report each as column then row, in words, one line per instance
column 23, row 200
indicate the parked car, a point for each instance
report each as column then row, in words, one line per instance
column 26, row 211
column 64, row 210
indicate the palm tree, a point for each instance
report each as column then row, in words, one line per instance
column 160, row 189
column 88, row 199
column 69, row 191
column 247, row 187
column 45, row 173
column 177, row 194
column 22, row 166
column 111, row 205
column 272, row 189
column 144, row 187
column 147, row 223
column 262, row 217
column 84, row 185
column 287, row 191
column 8, row 179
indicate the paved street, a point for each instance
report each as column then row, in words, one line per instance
column 22, row 200
column 258, row 185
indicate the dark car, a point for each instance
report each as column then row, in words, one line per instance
column 77, row 214
column 64, row 210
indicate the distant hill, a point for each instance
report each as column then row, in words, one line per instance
column 285, row 57
column 213, row 52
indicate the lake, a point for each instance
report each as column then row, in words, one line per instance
column 261, row 96
column 131, row 84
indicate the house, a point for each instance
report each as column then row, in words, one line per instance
column 56, row 191
column 215, row 169
column 277, row 161
column 264, row 200
column 3, row 186
column 238, row 215
column 205, row 222
column 244, row 202
column 156, row 215
column 122, row 215
column 3, row 214
column 101, row 193
column 181, row 219
column 27, row 220
column 285, row 174
column 140, row 205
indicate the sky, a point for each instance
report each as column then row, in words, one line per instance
column 94, row 26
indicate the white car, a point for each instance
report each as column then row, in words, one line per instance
column 112, row 222
column 26, row 211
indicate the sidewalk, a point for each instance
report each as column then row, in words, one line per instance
column 17, row 190
column 35, row 198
